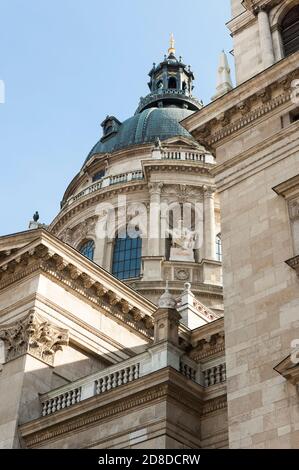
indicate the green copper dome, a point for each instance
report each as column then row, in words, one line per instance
column 143, row 128
column 159, row 113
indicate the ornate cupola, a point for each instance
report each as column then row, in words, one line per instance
column 171, row 84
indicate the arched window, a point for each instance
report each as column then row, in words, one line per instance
column 218, row 248
column 98, row 176
column 87, row 249
column 172, row 83
column 126, row 262
column 159, row 85
column 290, row 31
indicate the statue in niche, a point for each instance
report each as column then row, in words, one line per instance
column 182, row 243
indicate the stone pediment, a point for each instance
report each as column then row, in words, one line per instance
column 45, row 254
column 182, row 141
column 12, row 243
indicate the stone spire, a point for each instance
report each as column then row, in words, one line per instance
column 224, row 81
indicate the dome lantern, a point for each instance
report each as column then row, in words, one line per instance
column 171, row 84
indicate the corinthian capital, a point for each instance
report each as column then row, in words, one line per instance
column 33, row 335
column 155, row 188
column 209, row 191
column 257, row 5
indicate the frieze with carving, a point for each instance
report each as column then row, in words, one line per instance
column 208, row 347
column 182, row 193
column 182, row 274
column 41, row 258
column 33, row 335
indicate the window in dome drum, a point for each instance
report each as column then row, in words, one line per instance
column 87, row 249
column 126, row 262
column 290, row 31
column 98, row 176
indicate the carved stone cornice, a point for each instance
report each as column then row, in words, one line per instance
column 170, row 386
column 245, row 117
column 289, row 368
column 206, row 312
column 33, row 335
column 256, row 98
column 182, row 193
column 213, row 405
column 256, row 5
column 209, row 346
column 40, row 258
column 288, row 188
column 294, row 264
column 176, row 167
column 92, row 199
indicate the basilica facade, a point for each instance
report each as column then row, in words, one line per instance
column 114, row 330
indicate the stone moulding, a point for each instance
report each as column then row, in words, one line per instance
column 294, row 264
column 248, row 102
column 209, row 346
column 42, row 258
column 172, row 386
column 255, row 5
column 91, row 199
column 289, row 369
column 34, row 335
column 250, row 116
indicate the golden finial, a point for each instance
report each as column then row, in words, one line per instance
column 171, row 49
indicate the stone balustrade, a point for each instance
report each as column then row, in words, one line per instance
column 214, row 375
column 117, row 378
column 104, row 183
column 163, row 154
column 59, row 402
column 95, row 384
column 123, row 374
column 182, row 155
column 188, row 371
column 178, row 155
column 163, row 93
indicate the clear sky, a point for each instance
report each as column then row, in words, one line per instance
column 66, row 64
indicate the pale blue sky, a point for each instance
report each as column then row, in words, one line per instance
column 67, row 64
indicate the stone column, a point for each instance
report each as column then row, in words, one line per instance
column 199, row 230
column 265, row 38
column 154, row 227
column 107, row 264
column 209, row 224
